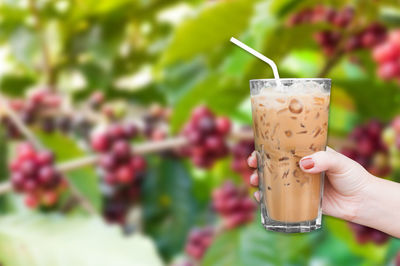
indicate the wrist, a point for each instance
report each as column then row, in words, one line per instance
column 362, row 211
column 380, row 200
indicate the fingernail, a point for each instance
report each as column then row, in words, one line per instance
column 307, row 163
column 257, row 195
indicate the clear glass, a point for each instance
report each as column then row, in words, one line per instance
column 290, row 121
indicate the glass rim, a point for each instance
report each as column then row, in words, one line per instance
column 286, row 79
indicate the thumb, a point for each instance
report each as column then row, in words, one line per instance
column 330, row 161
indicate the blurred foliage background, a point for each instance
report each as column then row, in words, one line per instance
column 177, row 54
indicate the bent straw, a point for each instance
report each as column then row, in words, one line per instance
column 258, row 55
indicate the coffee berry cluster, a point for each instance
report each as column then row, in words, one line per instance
column 206, row 134
column 370, row 151
column 31, row 110
column 156, row 122
column 198, row 241
column 96, row 99
column 387, row 55
column 33, row 174
column 340, row 19
column 119, row 164
column 233, row 204
column 117, row 200
column 122, row 171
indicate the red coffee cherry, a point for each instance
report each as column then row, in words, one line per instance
column 233, row 204
column 206, row 135
column 34, row 174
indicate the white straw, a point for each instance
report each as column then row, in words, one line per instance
column 258, row 55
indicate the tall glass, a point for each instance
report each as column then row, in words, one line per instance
column 290, row 121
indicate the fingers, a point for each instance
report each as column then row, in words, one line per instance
column 330, row 161
column 252, row 160
column 254, row 179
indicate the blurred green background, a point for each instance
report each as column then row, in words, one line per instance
column 177, row 54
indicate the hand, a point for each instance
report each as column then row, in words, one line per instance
column 345, row 184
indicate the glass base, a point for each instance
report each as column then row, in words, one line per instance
column 285, row 227
column 301, row 227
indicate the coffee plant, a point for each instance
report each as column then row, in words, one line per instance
column 138, row 112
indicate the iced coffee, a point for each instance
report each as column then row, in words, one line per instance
column 290, row 121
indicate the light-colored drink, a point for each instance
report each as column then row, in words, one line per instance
column 290, row 121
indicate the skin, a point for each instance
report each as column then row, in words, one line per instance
column 350, row 192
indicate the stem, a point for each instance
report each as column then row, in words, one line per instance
column 331, row 63
column 157, row 146
column 50, row 77
column 77, row 163
column 86, row 204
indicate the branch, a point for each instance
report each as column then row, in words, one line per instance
column 20, row 124
column 331, row 63
column 86, row 204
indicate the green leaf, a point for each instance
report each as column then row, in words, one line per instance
column 168, row 204
column 305, row 63
column 393, row 249
column 180, row 78
column 261, row 27
column 38, row 240
column 12, row 18
column 284, row 39
column 24, row 46
column 390, row 15
column 331, row 251
column 15, row 85
column 253, row 245
column 84, row 179
column 212, row 27
column 371, row 95
column 283, row 7
column 105, row 6
column 369, row 251
column 341, row 120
